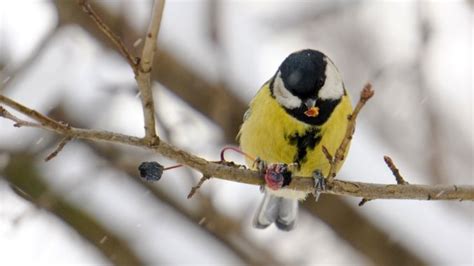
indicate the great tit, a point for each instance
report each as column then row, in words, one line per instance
column 302, row 108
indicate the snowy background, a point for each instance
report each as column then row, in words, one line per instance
column 417, row 54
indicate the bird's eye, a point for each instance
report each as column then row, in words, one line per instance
column 319, row 82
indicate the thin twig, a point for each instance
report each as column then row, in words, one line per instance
column 18, row 122
column 143, row 76
column 224, row 228
column 169, row 71
column 238, row 174
column 365, row 95
column 398, row 177
column 86, row 7
column 327, row 154
column 149, row 47
column 40, row 118
column 141, row 67
column 395, row 171
column 198, row 186
column 59, row 148
column 364, row 201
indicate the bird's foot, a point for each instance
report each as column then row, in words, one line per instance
column 261, row 165
column 277, row 176
column 319, row 183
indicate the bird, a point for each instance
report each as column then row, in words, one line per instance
column 301, row 108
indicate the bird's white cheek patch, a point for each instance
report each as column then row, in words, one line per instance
column 284, row 96
column 333, row 88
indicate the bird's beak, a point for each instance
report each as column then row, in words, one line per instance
column 312, row 111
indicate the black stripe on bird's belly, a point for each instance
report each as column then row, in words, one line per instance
column 304, row 142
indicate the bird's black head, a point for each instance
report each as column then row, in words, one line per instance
column 303, row 72
column 308, row 86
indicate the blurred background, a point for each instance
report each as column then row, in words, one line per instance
column 88, row 205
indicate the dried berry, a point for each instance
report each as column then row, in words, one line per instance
column 151, row 171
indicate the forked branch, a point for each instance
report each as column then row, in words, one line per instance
column 141, row 66
column 143, row 76
column 336, row 160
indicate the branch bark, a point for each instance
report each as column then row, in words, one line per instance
column 238, row 174
column 174, row 75
column 111, row 36
column 141, row 67
column 143, row 76
column 338, row 158
column 218, row 225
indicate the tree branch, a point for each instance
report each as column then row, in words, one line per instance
column 18, row 122
column 143, row 76
column 197, row 187
column 221, row 227
column 149, row 48
column 114, row 38
column 141, row 67
column 59, row 148
column 395, row 171
column 336, row 160
column 238, row 174
column 167, row 70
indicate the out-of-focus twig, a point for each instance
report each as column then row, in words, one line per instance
column 310, row 13
column 18, row 122
column 23, row 176
column 434, row 128
column 59, row 148
column 43, row 120
column 363, row 201
column 9, row 76
column 362, row 234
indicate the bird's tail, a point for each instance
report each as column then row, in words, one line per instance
column 278, row 210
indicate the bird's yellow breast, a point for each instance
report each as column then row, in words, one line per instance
column 274, row 136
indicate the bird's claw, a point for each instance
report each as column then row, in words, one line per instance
column 261, row 165
column 319, row 183
column 277, row 176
